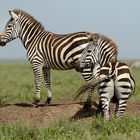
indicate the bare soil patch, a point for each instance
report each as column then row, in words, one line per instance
column 43, row 115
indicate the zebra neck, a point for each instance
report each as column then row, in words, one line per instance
column 29, row 38
column 29, row 35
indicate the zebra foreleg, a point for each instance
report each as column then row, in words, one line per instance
column 99, row 108
column 88, row 103
column 46, row 73
column 37, row 74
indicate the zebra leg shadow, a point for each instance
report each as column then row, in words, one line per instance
column 82, row 113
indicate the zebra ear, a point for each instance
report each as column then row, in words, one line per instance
column 96, row 37
column 13, row 15
column 90, row 45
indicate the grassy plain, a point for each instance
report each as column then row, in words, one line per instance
column 17, row 86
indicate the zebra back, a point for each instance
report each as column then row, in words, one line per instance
column 57, row 51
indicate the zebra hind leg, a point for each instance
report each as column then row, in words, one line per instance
column 106, row 109
column 49, row 98
column 120, row 108
column 48, row 101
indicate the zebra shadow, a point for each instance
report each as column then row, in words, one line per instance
column 16, row 104
column 19, row 104
column 82, row 113
column 30, row 105
column 23, row 104
column 57, row 103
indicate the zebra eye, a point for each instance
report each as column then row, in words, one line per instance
column 9, row 26
column 89, row 51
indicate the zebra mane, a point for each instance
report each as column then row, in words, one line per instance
column 99, row 39
column 109, row 40
column 104, row 39
column 21, row 13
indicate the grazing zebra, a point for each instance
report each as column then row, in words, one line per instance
column 46, row 50
column 116, row 83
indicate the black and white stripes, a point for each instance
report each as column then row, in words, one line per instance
column 117, row 89
column 46, row 50
column 117, row 86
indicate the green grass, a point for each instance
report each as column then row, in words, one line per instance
column 17, row 86
column 124, row 129
column 136, row 75
column 17, row 83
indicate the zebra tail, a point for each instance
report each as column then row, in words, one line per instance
column 92, row 83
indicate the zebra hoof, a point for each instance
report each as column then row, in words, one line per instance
column 87, row 106
column 84, row 110
column 48, row 101
column 99, row 112
column 35, row 102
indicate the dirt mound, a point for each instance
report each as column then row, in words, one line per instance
column 43, row 115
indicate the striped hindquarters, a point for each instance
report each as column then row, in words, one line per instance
column 117, row 89
column 122, row 83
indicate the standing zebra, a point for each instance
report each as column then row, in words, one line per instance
column 46, row 50
column 116, row 82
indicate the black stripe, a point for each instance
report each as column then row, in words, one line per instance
column 125, row 86
column 124, row 80
column 74, row 45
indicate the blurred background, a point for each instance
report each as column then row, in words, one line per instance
column 118, row 20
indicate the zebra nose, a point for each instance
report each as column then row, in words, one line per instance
column 2, row 43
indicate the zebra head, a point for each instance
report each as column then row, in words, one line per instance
column 11, row 30
column 89, row 56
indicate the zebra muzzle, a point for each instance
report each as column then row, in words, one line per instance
column 2, row 43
